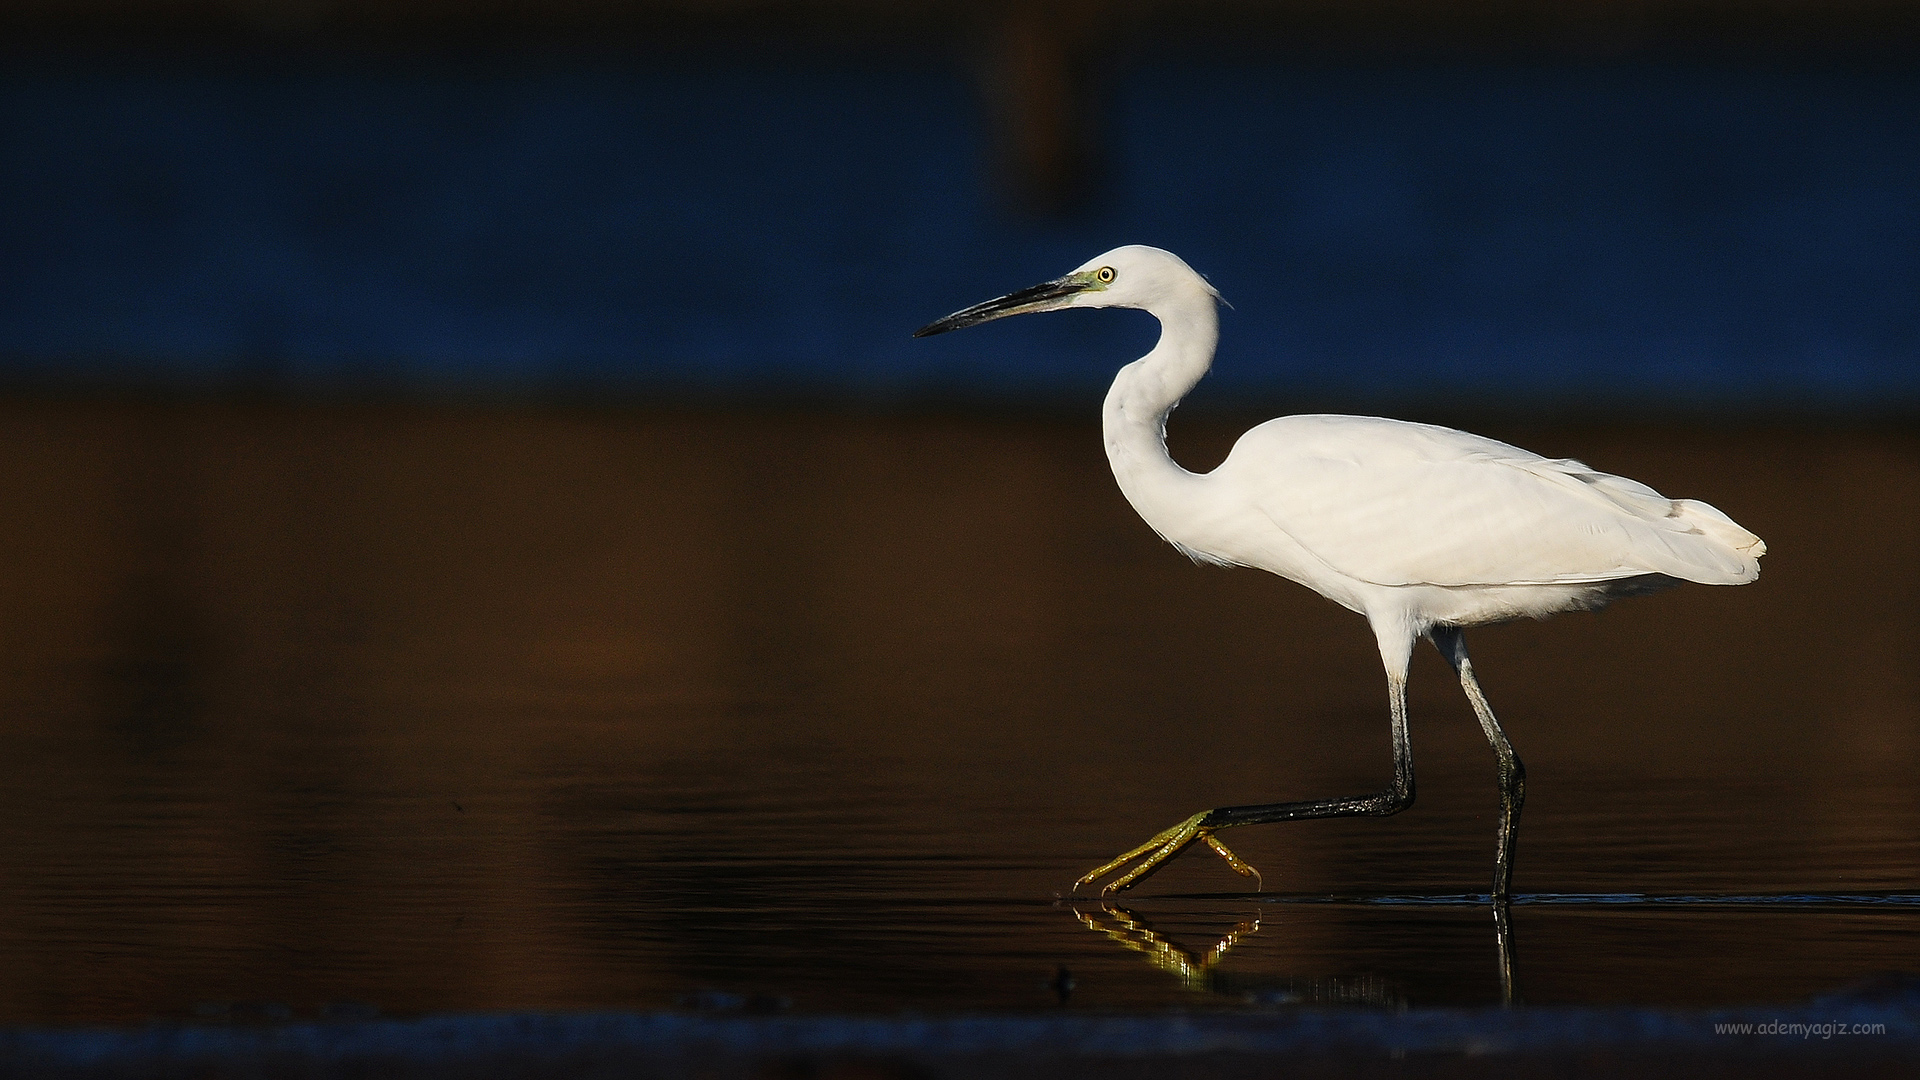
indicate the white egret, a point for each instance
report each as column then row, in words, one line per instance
column 1424, row 530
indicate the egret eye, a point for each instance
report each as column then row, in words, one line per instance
column 1105, row 274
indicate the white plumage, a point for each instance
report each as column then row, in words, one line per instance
column 1392, row 503
column 1421, row 529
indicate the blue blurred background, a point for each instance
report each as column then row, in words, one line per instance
column 309, row 199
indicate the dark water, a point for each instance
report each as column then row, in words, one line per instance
column 432, row 709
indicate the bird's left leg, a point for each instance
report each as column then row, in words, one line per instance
column 1396, row 797
column 1513, row 775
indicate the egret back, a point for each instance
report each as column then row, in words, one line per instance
column 1392, row 503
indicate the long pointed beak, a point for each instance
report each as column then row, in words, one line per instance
column 1042, row 297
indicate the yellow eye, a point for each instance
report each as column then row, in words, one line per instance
column 1105, row 274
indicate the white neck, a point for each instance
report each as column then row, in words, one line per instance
column 1135, row 417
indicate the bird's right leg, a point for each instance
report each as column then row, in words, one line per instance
column 1513, row 775
column 1164, row 846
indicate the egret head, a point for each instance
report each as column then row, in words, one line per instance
column 1133, row 276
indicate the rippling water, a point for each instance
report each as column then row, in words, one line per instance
column 425, row 709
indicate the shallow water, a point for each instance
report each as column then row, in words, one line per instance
column 310, row 711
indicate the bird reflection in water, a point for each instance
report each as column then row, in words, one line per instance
column 1198, row 970
column 1195, row 970
column 1503, row 946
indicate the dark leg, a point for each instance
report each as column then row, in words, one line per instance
column 1154, row 853
column 1397, row 796
column 1513, row 775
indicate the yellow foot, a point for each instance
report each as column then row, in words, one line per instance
column 1159, row 850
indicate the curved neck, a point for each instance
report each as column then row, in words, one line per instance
column 1135, row 417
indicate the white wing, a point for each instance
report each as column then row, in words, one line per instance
column 1395, row 503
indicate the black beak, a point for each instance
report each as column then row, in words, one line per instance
column 1040, row 297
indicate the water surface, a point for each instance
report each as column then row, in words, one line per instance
column 428, row 709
